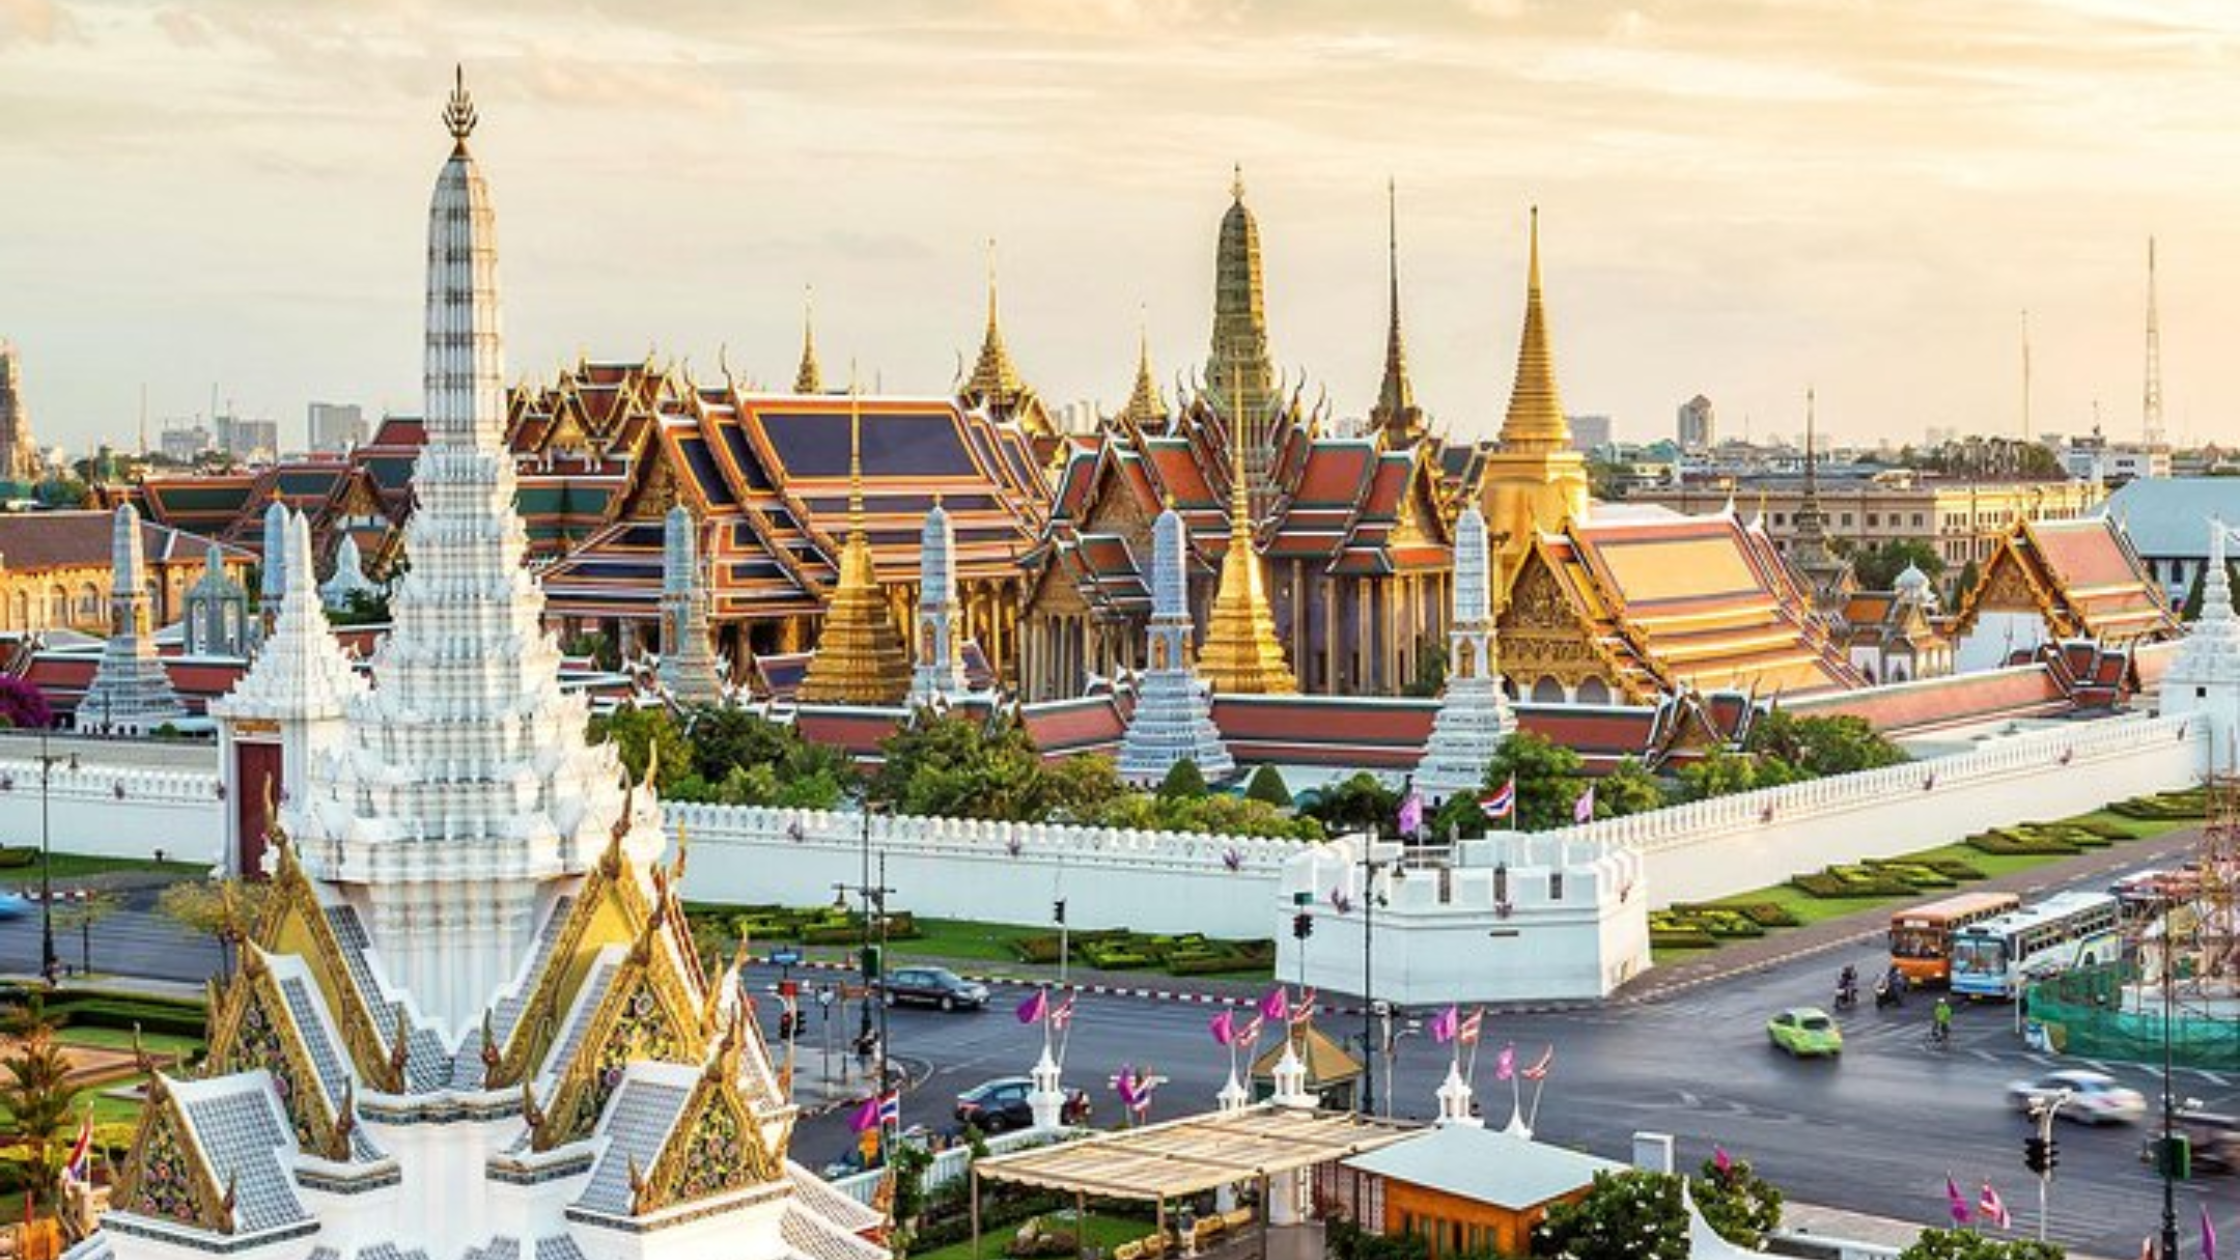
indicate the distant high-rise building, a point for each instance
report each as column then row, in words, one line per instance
column 1698, row 429
column 182, row 441
column 248, row 439
column 336, row 427
column 19, row 452
column 1589, row 432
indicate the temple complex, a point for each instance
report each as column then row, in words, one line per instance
column 2051, row 581
column 19, row 451
column 937, row 678
column 1240, row 374
column 131, row 694
column 1241, row 655
column 471, row 1020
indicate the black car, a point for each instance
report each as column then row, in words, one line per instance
column 935, row 986
column 1000, row 1105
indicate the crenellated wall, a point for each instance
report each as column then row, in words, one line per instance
column 105, row 809
column 1733, row 844
column 969, row 869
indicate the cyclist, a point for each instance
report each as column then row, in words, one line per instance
column 1941, row 1027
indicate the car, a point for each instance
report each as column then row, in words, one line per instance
column 935, row 986
column 2215, row 1138
column 2093, row 1097
column 1805, row 1031
column 15, row 906
column 1000, row 1105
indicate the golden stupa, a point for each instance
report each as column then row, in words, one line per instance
column 860, row 658
column 1242, row 655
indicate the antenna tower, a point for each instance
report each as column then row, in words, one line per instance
column 2151, row 410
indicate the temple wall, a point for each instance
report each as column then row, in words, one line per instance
column 957, row 868
column 107, row 809
column 1751, row 840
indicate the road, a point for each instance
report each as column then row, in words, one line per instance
column 1874, row 1132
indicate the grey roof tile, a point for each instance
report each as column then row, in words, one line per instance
column 242, row 1137
column 637, row 1122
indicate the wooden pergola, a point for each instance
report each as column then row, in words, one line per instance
column 1182, row 1157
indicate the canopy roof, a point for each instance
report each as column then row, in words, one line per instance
column 1185, row 1156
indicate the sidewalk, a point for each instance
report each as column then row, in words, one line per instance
column 1786, row 944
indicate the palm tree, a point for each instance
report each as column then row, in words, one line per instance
column 35, row 1089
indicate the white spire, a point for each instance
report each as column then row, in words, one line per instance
column 349, row 575
column 274, row 579
column 301, row 673
column 466, row 785
column 689, row 670
column 131, row 692
column 1474, row 715
column 1173, row 721
column 938, row 677
column 2205, row 678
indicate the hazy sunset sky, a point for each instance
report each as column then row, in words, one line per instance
column 1739, row 197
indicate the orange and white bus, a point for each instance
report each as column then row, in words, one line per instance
column 1921, row 936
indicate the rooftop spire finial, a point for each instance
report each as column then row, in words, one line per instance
column 991, row 284
column 458, row 112
column 1236, row 181
column 809, row 377
column 1532, row 282
column 1395, row 412
column 855, row 451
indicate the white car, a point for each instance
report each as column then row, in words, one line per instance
column 2094, row 1097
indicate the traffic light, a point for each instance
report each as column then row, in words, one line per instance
column 2040, row 1155
column 1302, row 925
column 785, row 1025
column 1058, row 912
column 871, row 962
column 2173, row 1157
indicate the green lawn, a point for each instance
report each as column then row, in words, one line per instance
column 1105, row 1233
column 121, row 1039
column 78, row 866
column 961, row 938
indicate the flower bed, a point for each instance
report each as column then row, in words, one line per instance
column 1187, row 954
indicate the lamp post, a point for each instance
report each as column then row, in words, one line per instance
column 1369, row 1007
column 873, row 898
column 50, row 964
column 2169, row 1158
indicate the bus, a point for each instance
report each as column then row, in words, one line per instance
column 1921, row 936
column 1996, row 957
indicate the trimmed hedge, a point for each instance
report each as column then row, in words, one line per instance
column 1840, row 882
column 1680, row 938
column 152, row 1015
column 13, row 857
column 2165, row 806
column 1952, row 869
column 1187, row 954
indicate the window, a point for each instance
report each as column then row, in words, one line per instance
column 1846, row 518
column 1780, row 518
column 1918, row 519
column 1555, row 885
column 1874, row 519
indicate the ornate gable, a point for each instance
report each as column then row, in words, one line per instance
column 251, row 1028
column 715, row 1148
column 2011, row 583
column 294, row 922
column 165, row 1177
column 1542, row 633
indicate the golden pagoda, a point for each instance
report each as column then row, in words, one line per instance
column 808, row 378
column 995, row 379
column 1242, row 655
column 1534, row 477
column 860, row 658
column 1146, row 407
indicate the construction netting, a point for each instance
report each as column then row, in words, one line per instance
column 2103, row 1013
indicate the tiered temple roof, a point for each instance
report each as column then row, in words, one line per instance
column 2081, row 576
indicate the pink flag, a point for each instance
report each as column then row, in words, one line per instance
column 2208, row 1234
column 1505, row 1067
column 1445, row 1025
column 1721, row 1160
column 1411, row 814
column 1993, row 1208
column 866, row 1117
column 1955, row 1201
column 1034, row 1008
column 1276, row 1006
column 1225, row 1029
column 1582, row 810
column 1539, row 1070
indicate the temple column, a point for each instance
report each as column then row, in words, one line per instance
column 1329, row 587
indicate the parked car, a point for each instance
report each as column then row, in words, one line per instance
column 935, row 986
column 1000, row 1105
column 2094, row 1097
column 1804, row 1031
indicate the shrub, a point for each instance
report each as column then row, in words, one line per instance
column 1762, row 913
column 13, row 857
column 1681, row 938
column 1267, row 786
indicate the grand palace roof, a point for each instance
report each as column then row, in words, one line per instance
column 2082, row 576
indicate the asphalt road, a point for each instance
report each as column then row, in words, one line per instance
column 134, row 940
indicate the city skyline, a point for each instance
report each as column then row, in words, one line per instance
column 1740, row 199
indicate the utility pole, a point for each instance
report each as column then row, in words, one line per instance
column 1369, row 1005
column 50, row 964
column 2167, row 1158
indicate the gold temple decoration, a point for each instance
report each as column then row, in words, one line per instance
column 995, row 379
column 1395, row 415
column 808, row 378
column 860, row 658
column 1535, row 420
column 1534, row 479
column 458, row 116
column 1147, row 407
column 1241, row 654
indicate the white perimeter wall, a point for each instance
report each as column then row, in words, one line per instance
column 1003, row 872
column 110, row 806
column 1750, row 840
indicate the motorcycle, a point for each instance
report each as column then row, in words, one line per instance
column 1888, row 994
column 1847, row 996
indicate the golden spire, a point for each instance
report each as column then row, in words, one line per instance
column 1146, row 406
column 1535, row 420
column 808, row 378
column 1396, row 412
column 1242, row 655
column 995, row 380
column 860, row 658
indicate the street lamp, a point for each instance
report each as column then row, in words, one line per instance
column 2168, row 1159
column 50, row 963
column 873, row 897
column 1369, row 1005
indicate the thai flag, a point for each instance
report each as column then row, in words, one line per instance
column 1250, row 1036
column 1539, row 1071
column 1302, row 1010
column 1993, row 1208
column 1467, row 1032
column 890, row 1108
column 75, row 1168
column 1500, row 804
column 1061, row 1014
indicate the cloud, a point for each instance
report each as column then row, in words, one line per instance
column 31, row 22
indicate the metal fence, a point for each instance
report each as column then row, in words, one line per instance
column 2093, row 1013
column 952, row 1164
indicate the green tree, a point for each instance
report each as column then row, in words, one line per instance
column 1215, row 813
column 1182, row 782
column 366, row 608
column 1360, row 803
column 957, row 765
column 1549, row 779
column 1075, row 788
column 1967, row 1244
column 36, row 1091
column 1267, row 785
column 81, row 914
column 1629, row 788
column 1431, row 673
column 1723, row 772
column 1737, row 1202
column 224, row 909
column 1629, row 1215
column 1878, row 566
column 742, row 758
column 636, row 733
column 1817, row 746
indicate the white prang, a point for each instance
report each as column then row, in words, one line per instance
column 349, row 575
column 1474, row 715
column 938, row 677
column 2205, row 679
column 689, row 669
column 131, row 693
column 1173, row 719
column 466, row 788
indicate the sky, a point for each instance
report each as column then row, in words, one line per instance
column 1741, row 198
